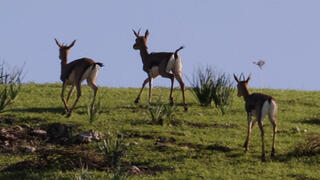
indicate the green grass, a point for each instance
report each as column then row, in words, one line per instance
column 199, row 144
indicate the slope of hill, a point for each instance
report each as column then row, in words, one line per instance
column 198, row 144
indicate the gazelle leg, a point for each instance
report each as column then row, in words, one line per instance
column 171, row 77
column 250, row 125
column 179, row 79
column 64, row 85
column 260, row 118
column 253, row 123
column 78, row 97
column 70, row 93
column 274, row 124
column 143, row 85
column 263, row 156
column 150, row 90
column 95, row 89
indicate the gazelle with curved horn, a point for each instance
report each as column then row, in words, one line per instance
column 259, row 105
column 160, row 63
column 74, row 73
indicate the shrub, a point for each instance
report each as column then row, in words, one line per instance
column 10, row 85
column 209, row 86
column 161, row 113
column 311, row 146
column 222, row 92
column 202, row 85
column 83, row 174
column 113, row 149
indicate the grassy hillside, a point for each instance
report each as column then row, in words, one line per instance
column 198, row 144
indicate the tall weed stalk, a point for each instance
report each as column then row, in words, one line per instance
column 93, row 113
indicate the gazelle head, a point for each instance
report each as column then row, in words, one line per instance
column 242, row 84
column 64, row 50
column 141, row 41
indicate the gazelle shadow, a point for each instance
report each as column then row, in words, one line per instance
column 54, row 110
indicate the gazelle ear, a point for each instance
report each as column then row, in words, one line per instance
column 146, row 34
column 71, row 44
column 235, row 77
column 135, row 33
column 248, row 78
column 58, row 43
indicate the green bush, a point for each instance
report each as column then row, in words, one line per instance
column 222, row 92
column 310, row 146
column 161, row 113
column 10, row 84
column 113, row 149
column 202, row 84
column 83, row 174
column 208, row 86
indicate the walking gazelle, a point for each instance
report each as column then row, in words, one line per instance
column 259, row 105
column 74, row 73
column 160, row 63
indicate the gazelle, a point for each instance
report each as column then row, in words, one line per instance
column 161, row 63
column 74, row 73
column 259, row 105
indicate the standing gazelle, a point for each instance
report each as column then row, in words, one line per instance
column 161, row 63
column 259, row 105
column 74, row 73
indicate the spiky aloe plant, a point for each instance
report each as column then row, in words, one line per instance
column 113, row 149
column 202, row 85
column 161, row 113
column 10, row 85
column 222, row 92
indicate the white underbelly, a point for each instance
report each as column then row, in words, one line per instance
column 154, row 71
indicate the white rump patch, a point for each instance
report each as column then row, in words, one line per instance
column 265, row 109
column 90, row 74
column 270, row 109
column 171, row 64
column 154, row 71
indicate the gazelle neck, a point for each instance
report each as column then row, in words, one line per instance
column 64, row 63
column 144, row 55
column 246, row 94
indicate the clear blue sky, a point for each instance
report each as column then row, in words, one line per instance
column 228, row 35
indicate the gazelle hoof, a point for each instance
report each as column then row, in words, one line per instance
column 171, row 101
column 65, row 112
column 272, row 154
column 136, row 101
column 69, row 115
column 185, row 108
column 263, row 158
column 245, row 145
